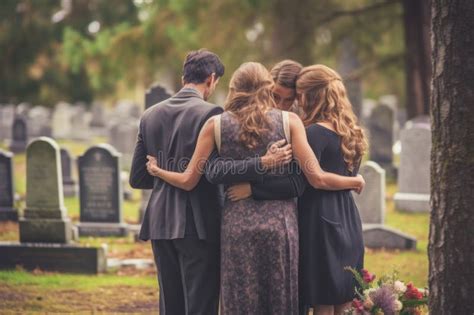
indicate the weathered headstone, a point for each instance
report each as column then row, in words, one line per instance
column 61, row 121
column 155, row 94
column 381, row 236
column 80, row 120
column 371, row 202
column 100, row 191
column 69, row 184
column 368, row 106
column 45, row 219
column 7, row 209
column 39, row 122
column 123, row 137
column 381, row 136
column 371, row 205
column 98, row 119
column 414, row 172
column 19, row 138
column 7, row 114
column 45, row 229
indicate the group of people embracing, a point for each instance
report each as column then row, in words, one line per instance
column 272, row 224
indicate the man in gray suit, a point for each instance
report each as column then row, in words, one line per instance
column 184, row 226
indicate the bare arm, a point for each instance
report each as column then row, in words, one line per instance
column 310, row 165
column 191, row 176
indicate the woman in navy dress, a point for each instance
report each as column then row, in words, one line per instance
column 330, row 228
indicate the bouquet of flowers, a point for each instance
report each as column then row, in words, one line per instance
column 387, row 296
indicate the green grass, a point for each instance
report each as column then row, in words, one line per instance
column 411, row 265
column 23, row 292
column 72, row 281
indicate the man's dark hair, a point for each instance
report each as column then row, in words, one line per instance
column 200, row 64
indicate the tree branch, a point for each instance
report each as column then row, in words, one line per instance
column 358, row 11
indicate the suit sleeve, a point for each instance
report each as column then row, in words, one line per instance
column 221, row 170
column 278, row 187
column 139, row 177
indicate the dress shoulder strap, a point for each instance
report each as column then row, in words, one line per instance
column 286, row 125
column 217, row 132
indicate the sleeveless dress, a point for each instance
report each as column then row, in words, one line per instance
column 330, row 230
column 259, row 239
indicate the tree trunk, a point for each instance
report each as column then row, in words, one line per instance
column 293, row 31
column 451, row 241
column 417, row 17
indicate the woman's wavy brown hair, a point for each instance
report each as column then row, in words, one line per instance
column 249, row 98
column 323, row 98
column 286, row 72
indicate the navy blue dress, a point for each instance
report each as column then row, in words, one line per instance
column 330, row 230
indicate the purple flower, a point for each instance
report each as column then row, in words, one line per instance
column 384, row 298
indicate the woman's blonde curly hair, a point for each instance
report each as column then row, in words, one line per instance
column 324, row 98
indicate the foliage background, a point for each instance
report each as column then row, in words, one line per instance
column 80, row 50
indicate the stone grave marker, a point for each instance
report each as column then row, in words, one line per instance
column 69, row 184
column 19, row 138
column 414, row 172
column 7, row 188
column 46, row 232
column 100, row 191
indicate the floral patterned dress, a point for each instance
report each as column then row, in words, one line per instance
column 259, row 239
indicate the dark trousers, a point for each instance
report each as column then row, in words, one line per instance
column 188, row 274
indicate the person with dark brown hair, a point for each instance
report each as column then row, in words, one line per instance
column 284, row 76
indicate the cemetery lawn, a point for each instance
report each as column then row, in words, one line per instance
column 136, row 291
column 411, row 265
column 25, row 292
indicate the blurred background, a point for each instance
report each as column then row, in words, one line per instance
column 98, row 50
column 83, row 71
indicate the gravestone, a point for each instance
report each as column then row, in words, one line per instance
column 371, row 205
column 69, row 184
column 381, row 136
column 368, row 106
column 19, row 138
column 414, row 172
column 61, row 121
column 7, row 114
column 98, row 119
column 45, row 219
column 7, row 188
column 100, row 191
column 126, row 109
column 348, row 63
column 80, row 120
column 39, row 122
column 371, row 202
column 46, row 232
column 123, row 137
column 155, row 94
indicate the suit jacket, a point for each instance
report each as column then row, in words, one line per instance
column 265, row 186
column 169, row 131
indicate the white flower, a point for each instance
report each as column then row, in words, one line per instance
column 368, row 291
column 399, row 287
column 398, row 305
